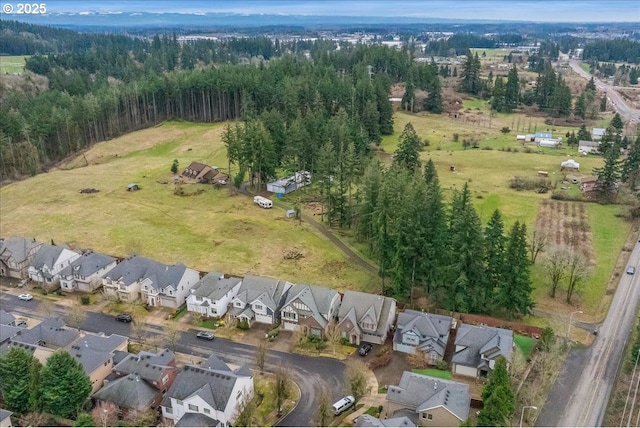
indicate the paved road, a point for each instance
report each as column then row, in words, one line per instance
column 628, row 114
column 589, row 375
column 309, row 373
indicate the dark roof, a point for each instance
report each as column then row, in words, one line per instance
column 477, row 340
column 317, row 299
column 147, row 365
column 51, row 331
column 215, row 363
column 197, row 420
column 136, row 268
column 8, row 331
column 18, row 248
column 214, row 286
column 88, row 264
column 269, row 291
column 6, row 318
column 420, row 392
column 131, row 392
column 119, row 356
column 365, row 420
column 355, row 305
column 47, row 255
column 92, row 350
column 431, row 329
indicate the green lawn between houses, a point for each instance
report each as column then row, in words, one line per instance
column 440, row 374
column 525, row 344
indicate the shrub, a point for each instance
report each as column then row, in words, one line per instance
column 344, row 341
column 456, row 137
column 243, row 324
column 85, row 300
column 380, row 361
column 527, row 183
column 505, row 130
column 274, row 332
column 442, row 365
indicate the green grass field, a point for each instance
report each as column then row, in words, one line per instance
column 491, row 54
column 12, row 64
column 210, row 231
column 525, row 344
column 440, row 374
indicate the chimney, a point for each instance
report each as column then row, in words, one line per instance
column 435, row 385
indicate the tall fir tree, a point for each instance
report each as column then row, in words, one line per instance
column 630, row 173
column 512, row 90
column 435, row 251
column 495, row 244
column 514, row 297
column 583, row 134
column 407, row 155
column 64, row 386
column 498, row 103
column 20, row 373
column 608, row 175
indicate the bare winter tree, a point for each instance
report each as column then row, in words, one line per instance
column 247, row 413
column 172, row 334
column 47, row 307
column 282, row 386
column 333, row 334
column 356, row 376
column 324, row 413
column 105, row 414
column 556, row 266
column 77, row 316
column 261, row 355
column 538, row 242
column 576, row 271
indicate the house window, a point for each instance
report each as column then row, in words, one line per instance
column 289, row 315
column 257, row 307
column 206, row 411
column 238, row 304
column 179, row 402
column 427, row 416
column 198, row 298
column 193, row 407
column 168, row 410
column 165, row 378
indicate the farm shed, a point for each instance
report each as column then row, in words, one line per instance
column 598, row 133
column 588, row 184
column 538, row 136
column 290, row 184
column 585, row 147
column 570, row 164
column 553, row 143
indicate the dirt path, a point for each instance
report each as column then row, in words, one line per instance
column 351, row 255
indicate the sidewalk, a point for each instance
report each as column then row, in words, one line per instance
column 373, row 399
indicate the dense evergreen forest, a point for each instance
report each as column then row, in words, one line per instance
column 616, row 50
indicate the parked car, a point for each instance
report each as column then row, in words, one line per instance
column 343, row 404
column 631, row 270
column 124, row 318
column 25, row 296
column 205, row 335
column 365, row 349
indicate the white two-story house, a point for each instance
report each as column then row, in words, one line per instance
column 259, row 299
column 309, row 308
column 156, row 283
column 208, row 395
column 365, row 317
column 85, row 273
column 49, row 261
column 212, row 295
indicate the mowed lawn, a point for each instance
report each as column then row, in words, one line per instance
column 489, row 172
column 12, row 64
column 209, row 231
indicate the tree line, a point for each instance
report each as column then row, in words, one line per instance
column 614, row 50
column 421, row 241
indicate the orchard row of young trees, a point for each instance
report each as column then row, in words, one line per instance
column 421, row 241
column 60, row 387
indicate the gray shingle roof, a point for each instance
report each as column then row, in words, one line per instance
column 131, row 392
column 197, row 420
column 212, row 386
column 6, row 318
column 268, row 290
column 4, row 414
column 47, row 255
column 422, row 392
column 92, row 350
column 88, row 264
column 215, row 363
column 17, row 248
column 214, row 286
column 136, row 268
column 363, row 303
column 432, row 329
column 477, row 340
column 147, row 365
column 8, row 331
column 365, row 420
column 49, row 333
column 316, row 298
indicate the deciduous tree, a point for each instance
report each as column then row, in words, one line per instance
column 556, row 265
column 356, row 379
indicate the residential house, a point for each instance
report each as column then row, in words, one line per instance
column 16, row 255
column 538, row 136
column 365, row 317
column 6, row 318
column 5, row 418
column 259, row 299
column 310, row 309
column 598, row 133
column 212, row 295
column 477, row 347
column 139, row 382
column 586, row 147
column 196, row 170
column 432, row 401
column 365, row 420
column 290, row 184
column 49, row 261
column 156, row 283
column 86, row 272
column 210, row 393
column 43, row 339
column 95, row 353
column 422, row 332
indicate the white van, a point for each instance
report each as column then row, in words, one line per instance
column 343, row 404
column 263, row 202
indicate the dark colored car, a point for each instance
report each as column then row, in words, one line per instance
column 124, row 318
column 205, row 335
column 365, row 349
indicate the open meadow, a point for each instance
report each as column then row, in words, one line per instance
column 208, row 231
column 12, row 64
column 489, row 169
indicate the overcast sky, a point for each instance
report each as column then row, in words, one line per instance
column 514, row 10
